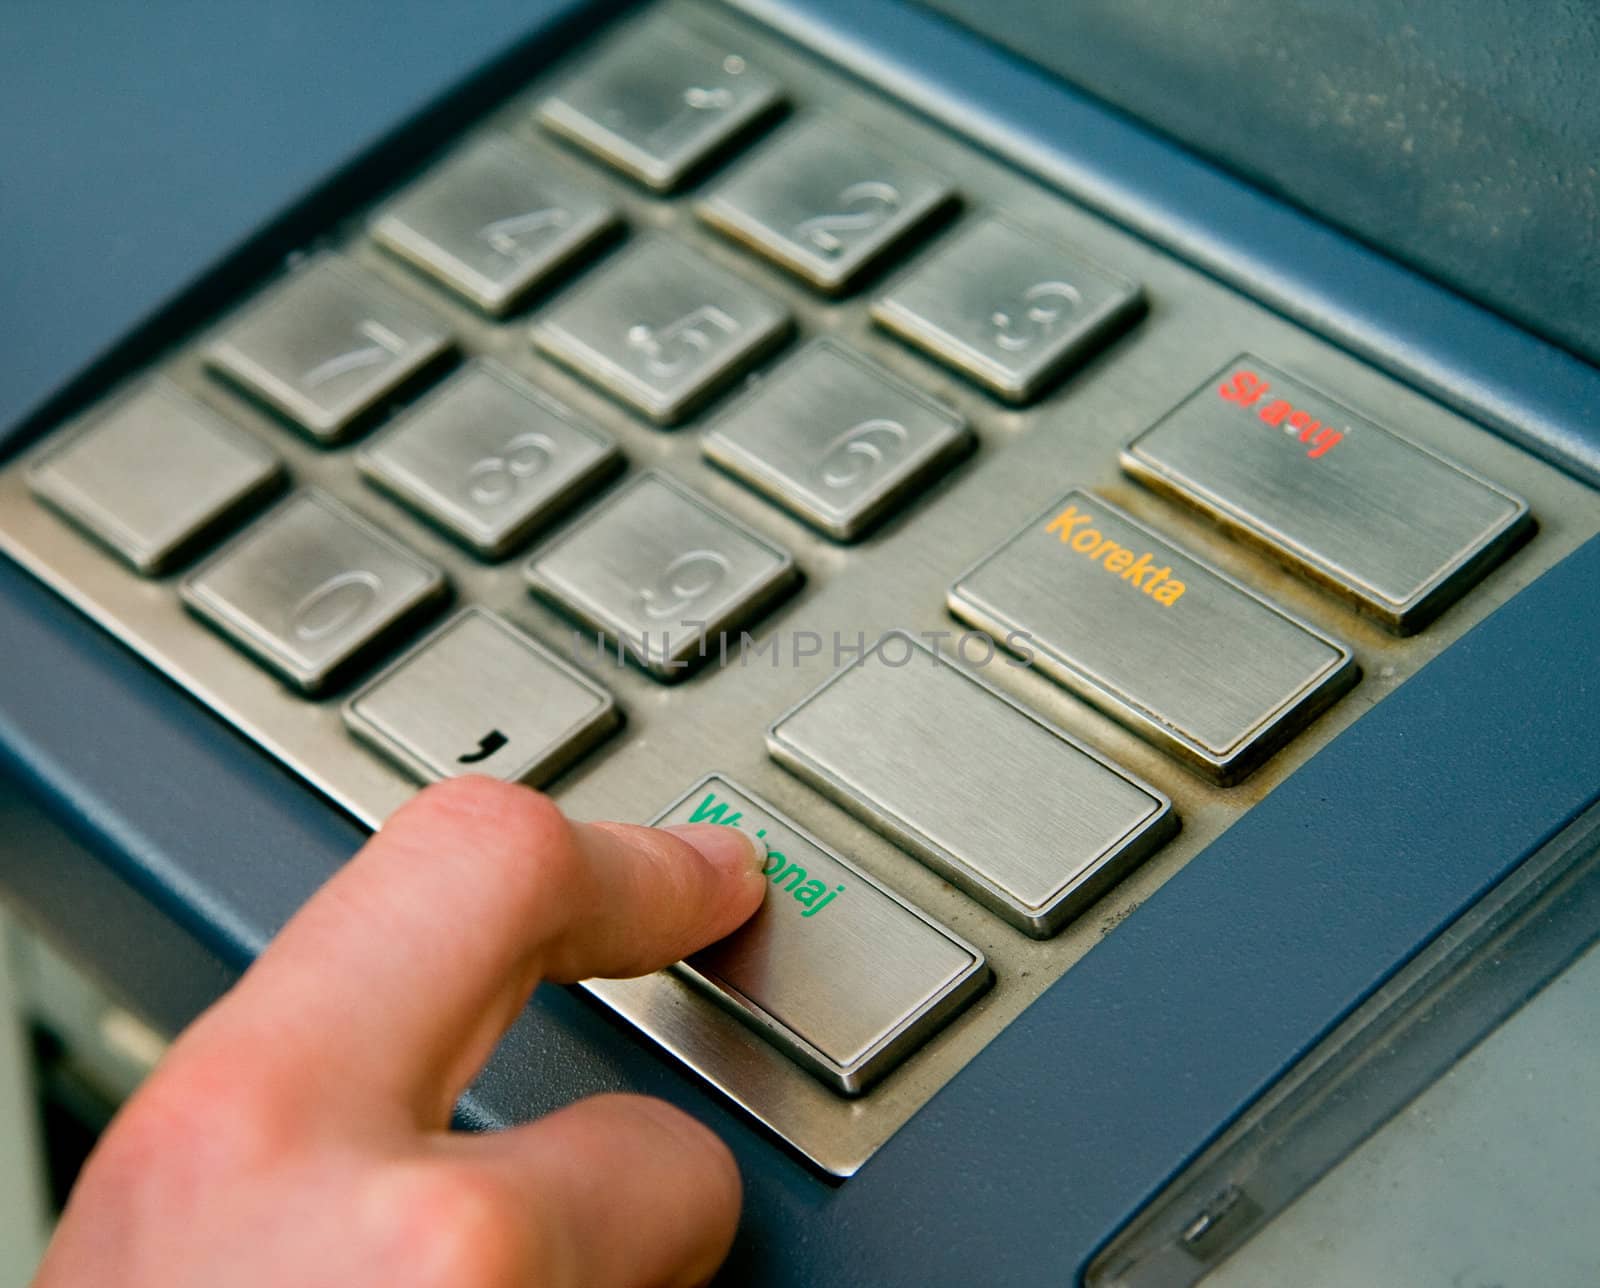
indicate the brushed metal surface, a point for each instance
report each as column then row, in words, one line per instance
column 898, row 578
column 825, row 200
column 840, row 972
column 661, row 329
column 663, row 573
column 658, row 106
column 836, row 439
column 1007, row 307
column 327, row 345
column 489, row 458
column 310, row 587
column 1218, row 676
column 1028, row 822
column 479, row 696
column 154, row 475
column 1397, row 529
column 492, row 225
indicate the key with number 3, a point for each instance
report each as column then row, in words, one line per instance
column 1009, row 309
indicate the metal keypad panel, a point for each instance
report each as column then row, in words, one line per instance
column 495, row 370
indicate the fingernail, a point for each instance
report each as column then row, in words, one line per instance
column 730, row 848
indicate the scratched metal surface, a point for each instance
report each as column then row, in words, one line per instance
column 898, row 577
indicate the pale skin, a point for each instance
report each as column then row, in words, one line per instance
column 298, row 1132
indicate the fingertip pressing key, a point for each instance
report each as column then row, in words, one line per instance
column 727, row 848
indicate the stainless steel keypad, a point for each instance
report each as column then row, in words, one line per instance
column 825, row 200
column 493, row 221
column 327, row 345
column 909, row 810
column 662, row 573
column 836, row 439
column 481, row 697
column 489, row 458
column 154, row 475
column 1025, row 820
column 834, row 968
column 657, row 106
column 309, row 587
column 1009, row 309
column 661, row 328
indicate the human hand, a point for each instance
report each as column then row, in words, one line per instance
column 297, row 1133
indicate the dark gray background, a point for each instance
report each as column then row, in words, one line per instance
column 1462, row 138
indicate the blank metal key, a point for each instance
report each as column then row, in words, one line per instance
column 825, row 201
column 836, row 439
column 661, row 328
column 1025, row 820
column 1188, row 658
column 154, row 475
column 480, row 697
column 658, row 103
column 309, row 587
column 840, row 973
column 662, row 573
column 1008, row 309
column 488, row 458
column 1389, row 525
column 492, row 223
column 327, row 345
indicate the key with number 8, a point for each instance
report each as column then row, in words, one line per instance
column 489, row 458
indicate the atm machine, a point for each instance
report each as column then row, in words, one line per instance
column 1110, row 490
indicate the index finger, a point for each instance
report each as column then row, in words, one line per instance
column 406, row 967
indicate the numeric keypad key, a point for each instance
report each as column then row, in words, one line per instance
column 488, row 458
column 327, row 345
column 836, row 439
column 1008, row 309
column 825, row 201
column 155, row 475
column 662, row 329
column 659, row 103
column 310, row 587
column 662, row 574
column 478, row 696
column 492, row 223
